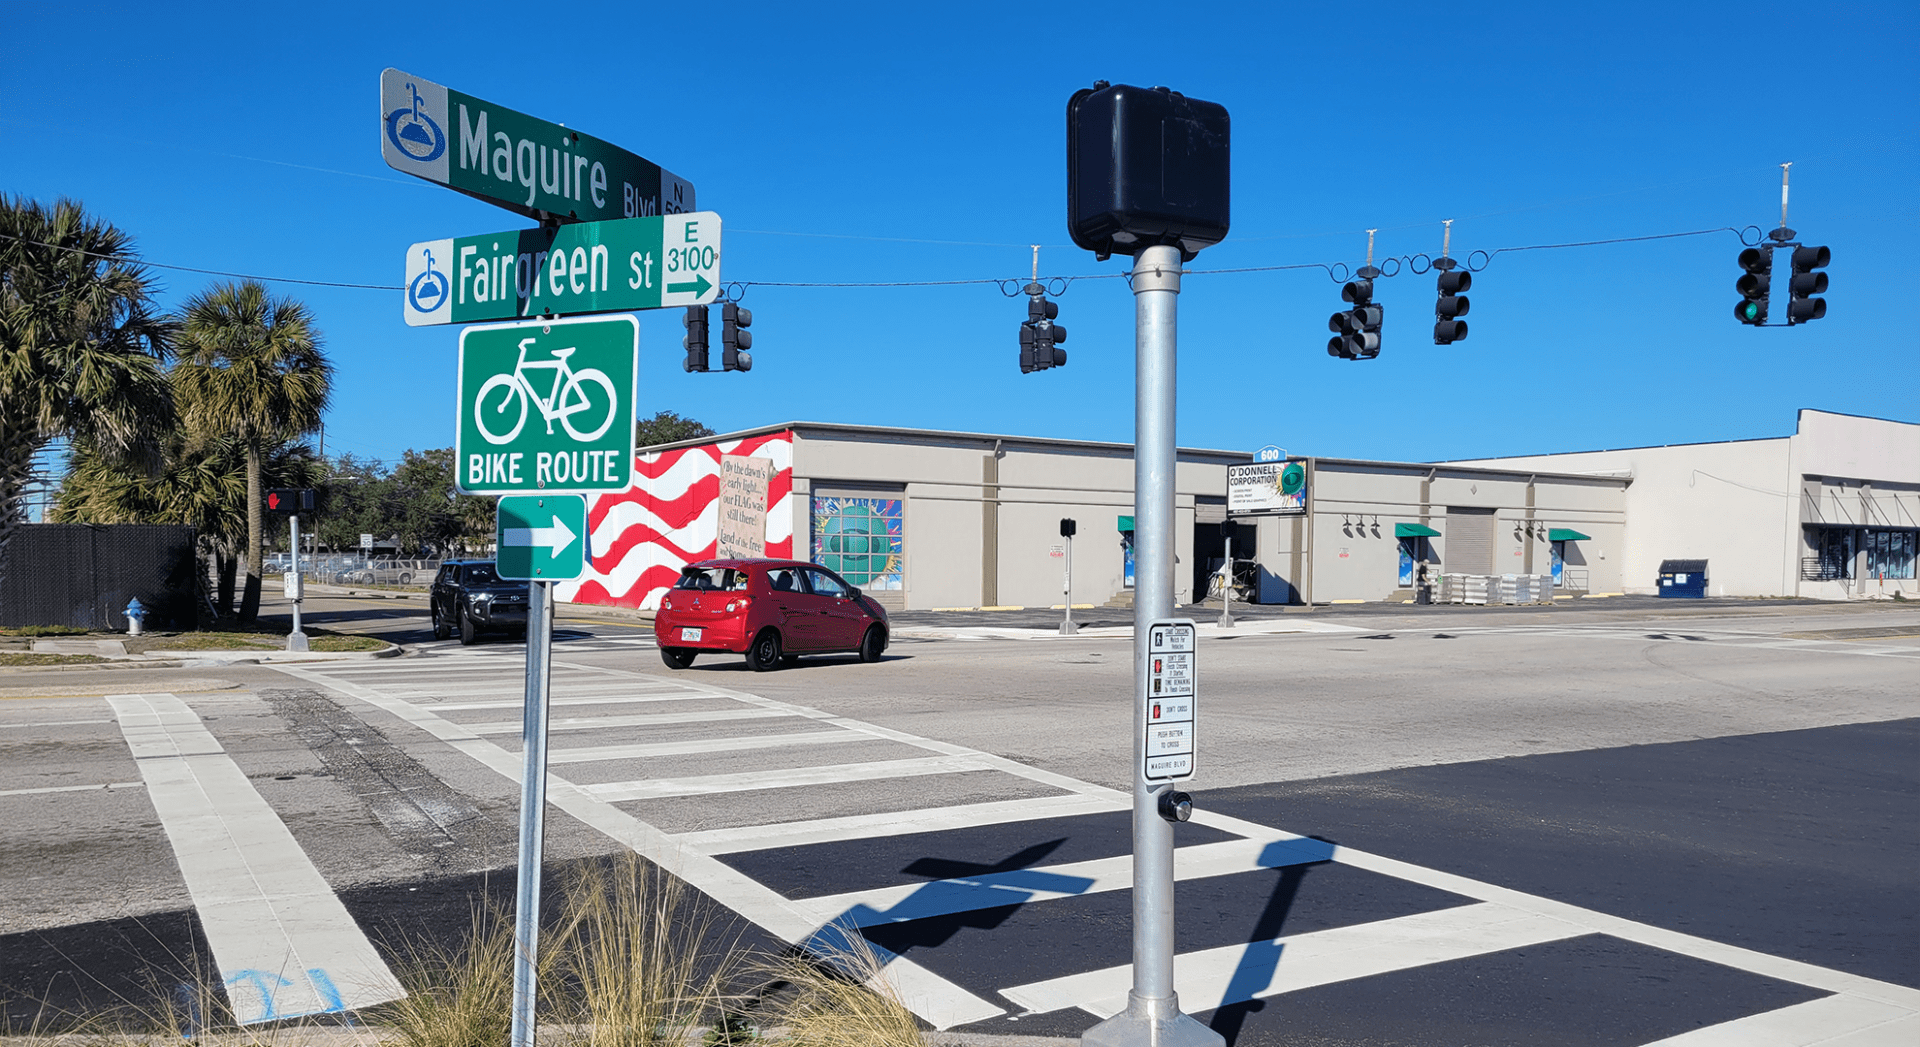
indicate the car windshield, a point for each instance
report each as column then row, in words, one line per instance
column 481, row 574
column 712, row 579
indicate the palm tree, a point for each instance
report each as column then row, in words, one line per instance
column 250, row 368
column 80, row 347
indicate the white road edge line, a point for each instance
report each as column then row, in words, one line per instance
column 284, row 943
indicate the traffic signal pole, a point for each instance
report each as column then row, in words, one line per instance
column 296, row 640
column 533, row 809
column 1152, row 1017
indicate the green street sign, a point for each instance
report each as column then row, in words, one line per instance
column 541, row 537
column 585, row 267
column 546, row 406
column 515, row 161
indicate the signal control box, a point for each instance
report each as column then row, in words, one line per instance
column 1146, row 166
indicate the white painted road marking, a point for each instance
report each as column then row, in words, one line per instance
column 1497, row 919
column 284, row 943
column 72, row 788
column 1831, row 1021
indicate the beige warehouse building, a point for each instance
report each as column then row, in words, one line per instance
column 927, row 520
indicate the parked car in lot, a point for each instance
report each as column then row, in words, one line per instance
column 468, row 596
column 772, row 611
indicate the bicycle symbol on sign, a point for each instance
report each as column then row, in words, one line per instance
column 566, row 398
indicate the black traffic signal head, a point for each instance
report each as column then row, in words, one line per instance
column 735, row 339
column 1801, row 306
column 696, row 337
column 1040, row 337
column 1068, row 526
column 1359, row 292
column 1146, row 166
column 1450, row 306
column 1753, row 285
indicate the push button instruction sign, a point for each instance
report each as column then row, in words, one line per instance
column 1170, row 696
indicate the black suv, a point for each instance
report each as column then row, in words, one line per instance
column 468, row 595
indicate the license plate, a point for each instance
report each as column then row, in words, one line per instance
column 690, row 634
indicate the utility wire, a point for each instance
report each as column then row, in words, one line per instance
column 1002, row 282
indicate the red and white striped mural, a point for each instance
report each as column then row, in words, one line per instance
column 670, row 517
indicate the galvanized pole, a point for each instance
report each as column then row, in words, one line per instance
column 296, row 640
column 1226, row 583
column 1152, row 1017
column 1067, row 628
column 533, row 806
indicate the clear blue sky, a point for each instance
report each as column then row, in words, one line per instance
column 904, row 142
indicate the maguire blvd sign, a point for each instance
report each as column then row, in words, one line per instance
column 546, row 406
column 515, row 161
column 585, row 267
column 541, row 537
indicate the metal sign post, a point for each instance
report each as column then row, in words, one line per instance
column 1067, row 529
column 296, row 640
column 533, row 808
column 1226, row 579
column 1153, row 1014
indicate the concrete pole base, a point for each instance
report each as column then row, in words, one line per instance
column 1226, row 620
column 1069, row 629
column 1151, row 1023
column 297, row 642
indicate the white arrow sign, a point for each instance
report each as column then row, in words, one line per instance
column 554, row 538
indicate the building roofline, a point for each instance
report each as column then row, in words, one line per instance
column 1460, row 467
column 900, row 431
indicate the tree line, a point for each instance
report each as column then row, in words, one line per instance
column 190, row 416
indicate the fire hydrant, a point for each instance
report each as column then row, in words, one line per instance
column 136, row 616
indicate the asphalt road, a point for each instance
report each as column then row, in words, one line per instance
column 1601, row 824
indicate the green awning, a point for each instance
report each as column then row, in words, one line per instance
column 1566, row 534
column 1414, row 531
column 1126, row 523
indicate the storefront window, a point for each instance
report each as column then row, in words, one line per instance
column 1890, row 554
column 861, row 540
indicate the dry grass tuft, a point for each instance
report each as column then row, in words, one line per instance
column 840, row 998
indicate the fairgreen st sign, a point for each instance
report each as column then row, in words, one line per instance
column 540, row 169
column 585, row 267
column 546, row 406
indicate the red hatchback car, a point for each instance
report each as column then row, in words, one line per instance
column 770, row 610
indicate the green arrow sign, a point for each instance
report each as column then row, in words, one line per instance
column 586, row 267
column 515, row 161
column 541, row 537
column 546, row 406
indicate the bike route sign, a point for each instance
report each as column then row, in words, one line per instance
column 586, row 267
column 546, row 406
column 515, row 161
column 1171, row 692
column 541, row 537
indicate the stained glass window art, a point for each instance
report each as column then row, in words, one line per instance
column 861, row 540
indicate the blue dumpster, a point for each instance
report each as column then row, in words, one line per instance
column 1685, row 579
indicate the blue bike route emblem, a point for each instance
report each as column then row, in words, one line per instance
column 428, row 291
column 414, row 133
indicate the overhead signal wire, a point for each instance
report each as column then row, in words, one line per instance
column 1003, row 283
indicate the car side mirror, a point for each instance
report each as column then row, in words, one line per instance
column 853, row 592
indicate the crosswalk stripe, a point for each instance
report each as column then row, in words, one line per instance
column 894, row 823
column 624, row 698
column 917, row 901
column 284, row 943
column 1841, row 1020
column 939, row 1001
column 1212, row 978
column 786, row 778
column 585, row 723
column 691, row 746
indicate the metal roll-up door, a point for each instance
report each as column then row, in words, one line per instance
column 1469, row 541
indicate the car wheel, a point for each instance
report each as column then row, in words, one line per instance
column 469, row 629
column 764, row 655
column 406, row 579
column 677, row 657
column 872, row 644
column 441, row 630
